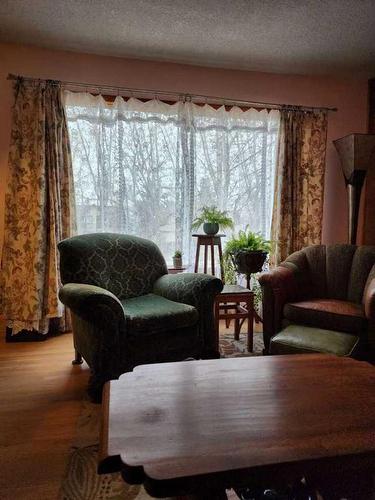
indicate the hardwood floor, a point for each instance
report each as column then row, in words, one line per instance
column 40, row 394
column 40, row 401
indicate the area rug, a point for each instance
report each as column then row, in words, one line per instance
column 81, row 482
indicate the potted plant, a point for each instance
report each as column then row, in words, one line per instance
column 247, row 251
column 177, row 259
column 212, row 220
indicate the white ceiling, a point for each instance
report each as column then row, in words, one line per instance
column 291, row 36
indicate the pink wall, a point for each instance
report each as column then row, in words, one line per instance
column 349, row 95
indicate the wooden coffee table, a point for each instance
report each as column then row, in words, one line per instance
column 198, row 427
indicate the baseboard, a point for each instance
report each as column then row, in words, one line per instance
column 24, row 336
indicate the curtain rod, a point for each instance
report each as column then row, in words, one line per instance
column 179, row 95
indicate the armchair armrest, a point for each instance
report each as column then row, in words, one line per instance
column 188, row 288
column 98, row 322
column 198, row 290
column 278, row 287
column 282, row 280
column 93, row 303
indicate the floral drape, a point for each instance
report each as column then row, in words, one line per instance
column 299, row 186
column 39, row 208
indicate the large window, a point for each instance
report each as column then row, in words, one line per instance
column 146, row 168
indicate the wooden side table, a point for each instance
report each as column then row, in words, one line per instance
column 176, row 270
column 229, row 305
column 207, row 240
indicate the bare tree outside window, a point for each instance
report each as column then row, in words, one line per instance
column 147, row 168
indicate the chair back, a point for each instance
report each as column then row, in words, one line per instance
column 125, row 265
column 339, row 272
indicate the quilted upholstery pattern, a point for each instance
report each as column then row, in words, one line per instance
column 126, row 310
column 125, row 265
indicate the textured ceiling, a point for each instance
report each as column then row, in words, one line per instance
column 293, row 36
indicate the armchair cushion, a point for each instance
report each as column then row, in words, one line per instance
column 304, row 339
column 329, row 314
column 152, row 313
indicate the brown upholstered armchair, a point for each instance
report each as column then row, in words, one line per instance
column 321, row 299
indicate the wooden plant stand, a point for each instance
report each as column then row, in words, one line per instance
column 211, row 241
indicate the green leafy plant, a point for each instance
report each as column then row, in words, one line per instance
column 177, row 254
column 212, row 215
column 230, row 274
column 247, row 240
column 238, row 244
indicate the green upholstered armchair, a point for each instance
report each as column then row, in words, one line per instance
column 126, row 310
column 321, row 299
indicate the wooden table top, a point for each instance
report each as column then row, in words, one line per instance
column 204, row 235
column 203, row 418
column 234, row 290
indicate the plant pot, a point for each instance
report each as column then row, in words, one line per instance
column 177, row 262
column 249, row 261
column 210, row 228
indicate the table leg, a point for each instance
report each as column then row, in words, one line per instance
column 205, row 258
column 217, row 322
column 250, row 323
column 237, row 329
column 221, row 262
column 212, row 257
column 227, row 321
column 197, row 257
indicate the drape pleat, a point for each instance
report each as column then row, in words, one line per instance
column 39, row 208
column 299, row 184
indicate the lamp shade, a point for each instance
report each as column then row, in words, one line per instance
column 356, row 152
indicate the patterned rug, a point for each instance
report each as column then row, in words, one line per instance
column 81, row 482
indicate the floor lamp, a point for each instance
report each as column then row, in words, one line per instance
column 357, row 155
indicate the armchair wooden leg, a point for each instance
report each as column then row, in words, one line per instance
column 78, row 358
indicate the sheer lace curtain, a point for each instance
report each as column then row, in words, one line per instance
column 146, row 168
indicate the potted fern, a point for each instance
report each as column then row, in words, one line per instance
column 247, row 251
column 212, row 220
